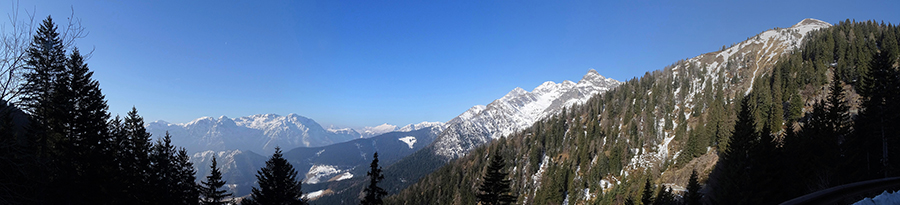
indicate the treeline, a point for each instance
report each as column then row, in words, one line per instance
column 848, row 134
column 59, row 145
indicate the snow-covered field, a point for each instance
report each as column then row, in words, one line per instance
column 883, row 198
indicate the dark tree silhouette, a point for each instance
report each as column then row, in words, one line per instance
column 172, row 174
column 278, row 183
column 209, row 190
column 692, row 196
column 374, row 194
column 495, row 188
column 647, row 195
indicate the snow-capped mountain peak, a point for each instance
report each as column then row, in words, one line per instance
column 811, row 22
column 258, row 133
column 377, row 130
column 421, row 125
column 516, row 110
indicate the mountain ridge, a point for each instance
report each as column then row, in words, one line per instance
column 261, row 133
column 614, row 139
column 482, row 123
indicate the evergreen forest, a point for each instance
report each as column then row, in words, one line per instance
column 817, row 117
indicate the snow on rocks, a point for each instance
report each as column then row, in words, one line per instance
column 319, row 172
column 409, row 140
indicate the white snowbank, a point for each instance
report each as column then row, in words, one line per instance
column 409, row 140
column 883, row 198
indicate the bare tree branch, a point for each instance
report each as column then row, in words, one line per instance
column 14, row 40
column 73, row 31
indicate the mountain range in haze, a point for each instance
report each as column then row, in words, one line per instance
column 262, row 133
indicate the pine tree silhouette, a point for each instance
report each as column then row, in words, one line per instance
column 374, row 194
column 210, row 193
column 693, row 195
column 495, row 188
column 172, row 174
column 278, row 183
column 647, row 195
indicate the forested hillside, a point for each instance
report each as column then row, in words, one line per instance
column 742, row 117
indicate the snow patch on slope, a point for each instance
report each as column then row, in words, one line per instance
column 750, row 59
column 319, row 172
column 409, row 140
column 344, row 176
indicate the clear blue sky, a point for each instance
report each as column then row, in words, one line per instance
column 363, row 63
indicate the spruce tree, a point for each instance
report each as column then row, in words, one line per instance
column 374, row 194
column 134, row 156
column 172, row 176
column 46, row 97
column 734, row 184
column 209, row 190
column 664, row 196
column 838, row 115
column 278, row 183
column 44, row 64
column 692, row 196
column 647, row 196
column 495, row 188
column 868, row 147
column 91, row 142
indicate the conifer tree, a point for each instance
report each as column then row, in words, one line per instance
column 278, row 183
column 692, row 196
column 91, row 142
column 45, row 63
column 495, row 188
column 374, row 194
column 647, row 196
column 664, row 196
column 869, row 146
column 172, row 176
column 134, row 156
column 733, row 182
column 209, row 190
column 47, row 98
column 838, row 115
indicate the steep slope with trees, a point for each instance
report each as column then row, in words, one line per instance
column 748, row 101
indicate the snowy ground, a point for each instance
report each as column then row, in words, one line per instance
column 883, row 198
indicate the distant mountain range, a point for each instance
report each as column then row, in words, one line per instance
column 332, row 164
column 515, row 111
column 241, row 145
column 319, row 167
column 262, row 133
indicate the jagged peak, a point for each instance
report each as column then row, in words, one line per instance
column 207, row 118
column 813, row 22
column 549, row 85
column 593, row 77
column 416, row 126
column 160, row 122
column 515, row 92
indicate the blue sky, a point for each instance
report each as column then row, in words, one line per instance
column 364, row 63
